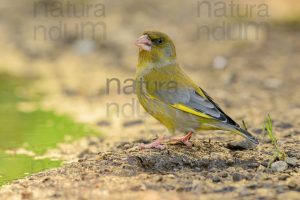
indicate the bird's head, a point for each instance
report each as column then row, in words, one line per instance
column 155, row 47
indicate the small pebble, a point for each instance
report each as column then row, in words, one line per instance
column 26, row 195
column 257, row 130
column 223, row 174
column 216, row 179
column 84, row 46
column 213, row 169
column 103, row 123
column 284, row 125
column 267, row 140
column 219, row 62
column 261, row 168
column 170, row 176
column 294, row 184
column 230, row 162
column 291, row 161
column 241, row 145
column 237, row 177
column 265, row 163
column 132, row 123
column 283, row 177
column 159, row 179
column 209, row 176
column 253, row 165
column 231, row 169
column 272, row 83
column 279, row 166
column 252, row 186
column 204, row 173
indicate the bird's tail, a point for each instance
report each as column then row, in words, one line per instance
column 245, row 134
column 238, row 130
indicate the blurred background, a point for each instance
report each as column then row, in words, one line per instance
column 67, row 67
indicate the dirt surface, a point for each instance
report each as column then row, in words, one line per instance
column 259, row 78
column 208, row 170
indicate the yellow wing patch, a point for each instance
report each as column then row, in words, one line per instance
column 183, row 108
column 190, row 110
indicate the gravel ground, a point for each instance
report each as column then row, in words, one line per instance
column 208, row 170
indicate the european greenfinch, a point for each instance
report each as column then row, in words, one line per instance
column 170, row 96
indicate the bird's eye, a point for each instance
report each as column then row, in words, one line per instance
column 158, row 41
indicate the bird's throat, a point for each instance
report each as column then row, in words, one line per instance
column 152, row 59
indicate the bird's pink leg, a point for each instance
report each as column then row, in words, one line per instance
column 182, row 139
column 157, row 144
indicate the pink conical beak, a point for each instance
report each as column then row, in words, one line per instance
column 144, row 43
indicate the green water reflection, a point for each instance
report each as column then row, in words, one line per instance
column 35, row 130
column 17, row 166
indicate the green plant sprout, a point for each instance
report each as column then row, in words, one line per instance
column 244, row 125
column 277, row 152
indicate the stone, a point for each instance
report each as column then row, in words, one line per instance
column 261, row 168
column 291, row 161
column 283, row 177
column 241, row 145
column 219, row 62
column 279, row 166
column 216, row 179
column 223, row 174
column 237, row 177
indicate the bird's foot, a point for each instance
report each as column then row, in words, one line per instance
column 182, row 139
column 157, row 144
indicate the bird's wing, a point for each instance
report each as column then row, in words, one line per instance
column 194, row 101
column 186, row 96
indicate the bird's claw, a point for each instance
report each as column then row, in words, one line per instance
column 183, row 139
column 157, row 144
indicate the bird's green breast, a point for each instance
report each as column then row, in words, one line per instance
column 149, row 82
